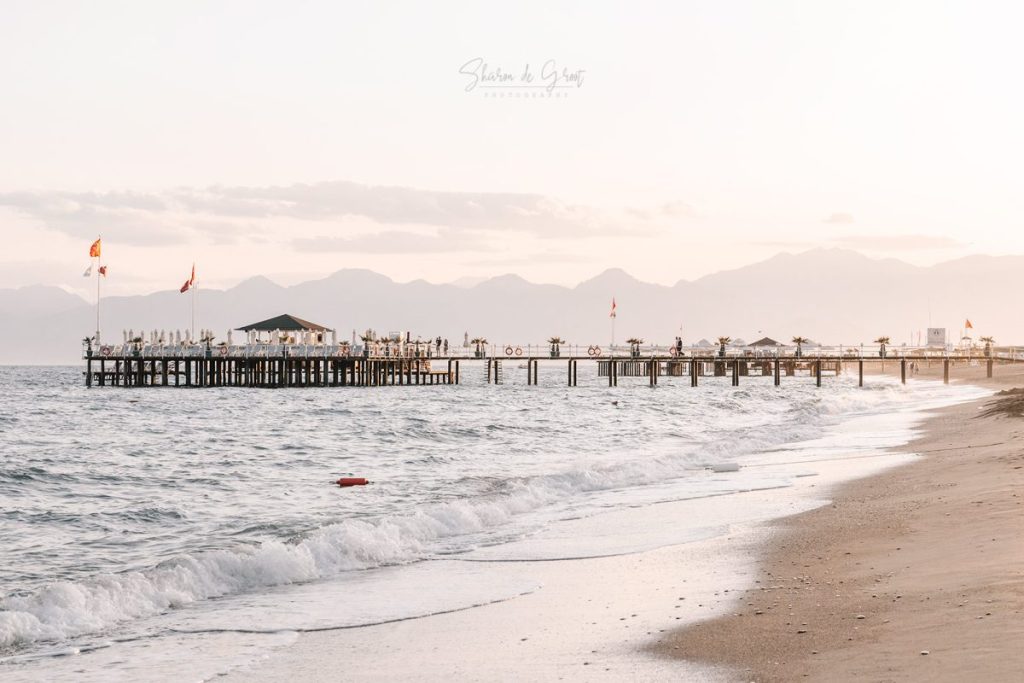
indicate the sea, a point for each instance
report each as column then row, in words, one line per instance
column 169, row 534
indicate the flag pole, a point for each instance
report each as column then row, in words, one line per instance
column 193, row 310
column 98, row 294
column 611, row 349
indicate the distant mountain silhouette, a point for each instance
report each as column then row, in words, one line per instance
column 830, row 295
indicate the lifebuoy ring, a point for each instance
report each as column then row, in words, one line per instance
column 223, row 350
column 106, row 350
column 597, row 350
column 590, row 350
column 519, row 350
column 508, row 350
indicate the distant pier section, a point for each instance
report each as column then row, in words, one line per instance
column 286, row 351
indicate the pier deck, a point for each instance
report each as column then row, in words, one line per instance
column 258, row 371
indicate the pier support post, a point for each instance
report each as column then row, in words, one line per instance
column 945, row 371
column 693, row 372
column 860, row 372
column 457, row 371
column 817, row 368
column 88, row 371
column 988, row 368
column 903, row 370
column 488, row 370
column 777, row 371
column 736, row 372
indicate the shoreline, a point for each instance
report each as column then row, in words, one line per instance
column 921, row 558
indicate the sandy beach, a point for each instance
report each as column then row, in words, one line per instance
column 914, row 574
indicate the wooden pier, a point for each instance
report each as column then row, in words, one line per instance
column 282, row 371
column 268, row 372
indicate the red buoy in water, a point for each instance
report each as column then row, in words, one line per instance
column 352, row 481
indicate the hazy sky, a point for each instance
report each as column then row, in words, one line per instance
column 294, row 139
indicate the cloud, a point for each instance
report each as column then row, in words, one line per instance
column 226, row 214
column 535, row 214
column 897, row 242
column 127, row 217
column 839, row 218
column 389, row 242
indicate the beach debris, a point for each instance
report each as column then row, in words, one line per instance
column 724, row 467
column 924, row 652
column 861, row 616
column 345, row 482
column 801, row 630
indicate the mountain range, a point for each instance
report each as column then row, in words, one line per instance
column 830, row 295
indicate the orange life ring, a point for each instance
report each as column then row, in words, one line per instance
column 519, row 350
column 597, row 350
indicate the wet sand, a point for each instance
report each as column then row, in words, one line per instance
column 914, row 574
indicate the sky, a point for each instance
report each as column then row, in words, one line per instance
column 291, row 140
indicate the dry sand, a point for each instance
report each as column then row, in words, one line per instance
column 914, row 574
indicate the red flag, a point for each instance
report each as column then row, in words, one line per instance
column 103, row 271
column 94, row 250
column 968, row 325
column 612, row 314
column 189, row 283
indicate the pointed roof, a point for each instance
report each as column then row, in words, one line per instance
column 703, row 343
column 765, row 341
column 282, row 322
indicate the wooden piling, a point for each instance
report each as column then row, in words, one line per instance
column 945, row 371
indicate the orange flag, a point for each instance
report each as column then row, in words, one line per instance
column 94, row 250
column 968, row 325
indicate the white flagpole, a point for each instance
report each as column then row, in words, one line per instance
column 611, row 350
column 194, row 311
column 98, row 266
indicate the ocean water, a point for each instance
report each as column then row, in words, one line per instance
column 147, row 530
